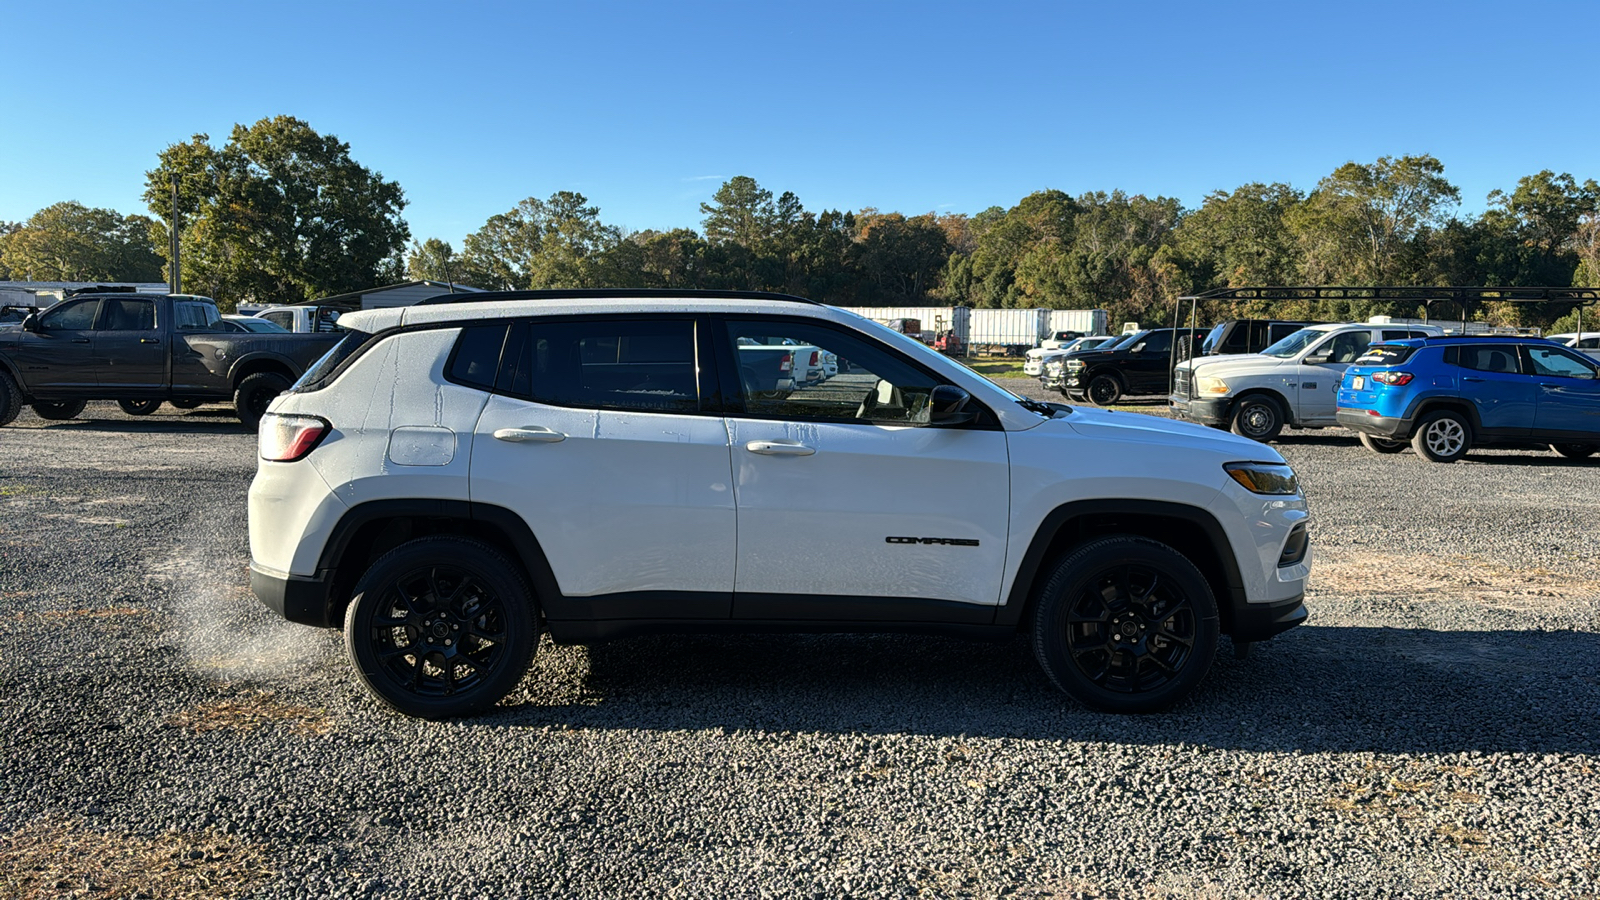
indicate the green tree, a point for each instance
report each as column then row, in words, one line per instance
column 6, row 230
column 1371, row 223
column 71, row 242
column 899, row 258
column 743, row 212
column 279, row 213
column 432, row 260
column 556, row 243
column 1539, row 218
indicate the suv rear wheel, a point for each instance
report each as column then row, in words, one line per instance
column 1575, row 451
column 139, row 407
column 1257, row 417
column 1126, row 624
column 440, row 627
column 1442, row 437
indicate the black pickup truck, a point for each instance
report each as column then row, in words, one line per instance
column 142, row 350
column 1138, row 365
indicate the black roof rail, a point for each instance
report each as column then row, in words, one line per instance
column 617, row 293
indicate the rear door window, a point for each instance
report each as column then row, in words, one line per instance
column 127, row 315
column 611, row 363
column 1489, row 358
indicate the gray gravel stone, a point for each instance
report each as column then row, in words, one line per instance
column 1431, row 732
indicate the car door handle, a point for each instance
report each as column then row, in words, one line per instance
column 779, row 448
column 1475, row 380
column 537, row 434
column 1551, row 386
column 149, row 340
column 80, row 340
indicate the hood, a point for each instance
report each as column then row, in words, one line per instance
column 1237, row 363
column 1115, row 425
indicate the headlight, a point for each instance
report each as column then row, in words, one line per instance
column 1263, row 478
column 1053, row 365
column 1074, row 363
column 1208, row 385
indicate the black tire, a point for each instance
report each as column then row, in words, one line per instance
column 420, row 607
column 58, row 410
column 1380, row 445
column 1257, row 417
column 1126, row 624
column 10, row 399
column 187, row 404
column 1442, row 437
column 1575, row 451
column 139, row 407
column 255, row 393
column 1104, row 390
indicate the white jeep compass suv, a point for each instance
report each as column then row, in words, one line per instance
column 457, row 477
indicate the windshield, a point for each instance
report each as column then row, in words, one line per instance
column 1294, row 343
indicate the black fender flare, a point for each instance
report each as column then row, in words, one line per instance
column 261, row 361
column 1020, row 597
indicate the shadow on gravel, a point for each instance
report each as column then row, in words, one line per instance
column 198, row 422
column 1334, row 689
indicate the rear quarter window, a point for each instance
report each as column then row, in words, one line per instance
column 476, row 358
column 1385, row 355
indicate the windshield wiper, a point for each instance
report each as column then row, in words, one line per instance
column 1048, row 410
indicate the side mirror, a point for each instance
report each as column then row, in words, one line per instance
column 947, row 406
column 31, row 323
column 1137, row 348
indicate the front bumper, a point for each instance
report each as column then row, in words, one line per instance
column 1260, row 621
column 1216, row 413
column 1378, row 426
column 298, row 598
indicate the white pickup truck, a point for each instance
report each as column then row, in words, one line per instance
column 1294, row 382
column 302, row 319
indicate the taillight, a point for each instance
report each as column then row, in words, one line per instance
column 1392, row 377
column 787, row 364
column 814, row 357
column 286, row 438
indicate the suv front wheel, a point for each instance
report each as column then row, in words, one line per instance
column 1126, row 624
column 440, row 627
column 1442, row 437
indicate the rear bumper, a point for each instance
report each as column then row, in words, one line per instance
column 298, row 598
column 1216, row 413
column 1378, row 426
column 1260, row 621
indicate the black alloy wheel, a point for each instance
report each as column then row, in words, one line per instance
column 1126, row 624
column 1380, row 445
column 187, row 404
column 440, row 627
column 1575, row 451
column 139, row 407
column 1258, row 418
column 256, row 392
column 1442, row 437
column 58, row 410
column 1104, row 390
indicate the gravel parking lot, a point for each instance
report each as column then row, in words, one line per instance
column 1432, row 731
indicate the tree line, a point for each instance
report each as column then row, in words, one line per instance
column 280, row 213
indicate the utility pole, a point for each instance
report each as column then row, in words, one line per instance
column 175, row 268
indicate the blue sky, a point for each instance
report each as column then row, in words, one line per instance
column 647, row 107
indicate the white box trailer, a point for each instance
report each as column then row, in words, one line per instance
column 993, row 329
column 934, row 319
column 1083, row 321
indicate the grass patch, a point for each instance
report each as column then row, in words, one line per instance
column 248, row 711
column 997, row 368
column 59, row 859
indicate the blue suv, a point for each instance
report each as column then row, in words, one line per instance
column 1447, row 395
